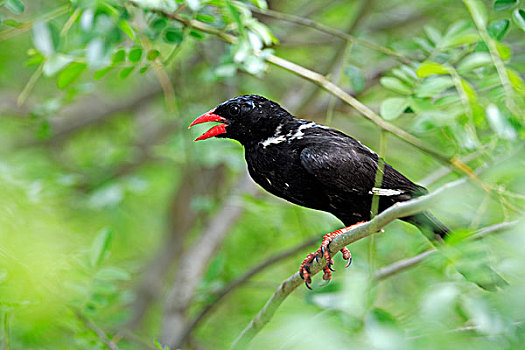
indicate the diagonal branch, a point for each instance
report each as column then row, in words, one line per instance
column 328, row 30
column 405, row 264
column 196, row 258
column 98, row 331
column 398, row 210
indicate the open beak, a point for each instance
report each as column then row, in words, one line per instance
column 210, row 117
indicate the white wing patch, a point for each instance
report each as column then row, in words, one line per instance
column 295, row 134
column 299, row 132
column 274, row 140
column 385, row 191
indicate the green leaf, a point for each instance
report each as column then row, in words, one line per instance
column 466, row 38
column 392, row 108
column 15, row 6
column 356, row 78
column 119, row 56
column 35, row 60
column 135, row 54
column 473, row 61
column 430, row 68
column 500, row 5
column 433, row 34
column 498, row 29
column 152, row 55
column 12, row 23
column 504, row 51
column 236, row 16
column 264, row 33
column 125, row 72
column 382, row 316
column 143, row 69
column 173, row 35
column 99, row 74
column 469, row 91
column 515, row 80
column 70, row 74
column 42, row 38
column 126, row 28
column 204, row 18
column 158, row 24
column 433, row 86
column 112, row 274
column 518, row 16
column 396, row 85
column 260, row 4
column 197, row 34
column 99, row 247
column 405, row 74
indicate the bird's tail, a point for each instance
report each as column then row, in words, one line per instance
column 428, row 224
column 481, row 273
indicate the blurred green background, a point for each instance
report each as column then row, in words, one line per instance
column 116, row 230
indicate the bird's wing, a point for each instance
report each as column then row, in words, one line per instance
column 351, row 168
column 340, row 167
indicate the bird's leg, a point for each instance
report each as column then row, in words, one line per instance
column 324, row 251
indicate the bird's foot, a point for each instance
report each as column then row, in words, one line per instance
column 324, row 251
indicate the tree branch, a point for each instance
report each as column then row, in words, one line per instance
column 98, row 331
column 194, row 261
column 328, row 30
column 289, row 285
column 405, row 264
column 181, row 220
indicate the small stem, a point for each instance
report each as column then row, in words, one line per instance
column 5, row 329
column 375, row 197
column 496, row 59
column 337, row 79
column 30, row 85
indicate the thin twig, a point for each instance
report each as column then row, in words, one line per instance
column 328, row 30
column 495, row 56
column 405, row 264
column 402, row 265
column 98, row 331
column 241, row 280
column 289, row 285
column 24, row 27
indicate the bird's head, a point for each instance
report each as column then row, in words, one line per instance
column 249, row 118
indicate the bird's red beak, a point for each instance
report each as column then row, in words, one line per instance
column 210, row 117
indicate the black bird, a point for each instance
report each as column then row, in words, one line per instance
column 314, row 166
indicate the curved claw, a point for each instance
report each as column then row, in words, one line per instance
column 331, row 268
column 307, row 285
column 349, row 262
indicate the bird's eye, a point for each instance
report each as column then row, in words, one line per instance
column 235, row 110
